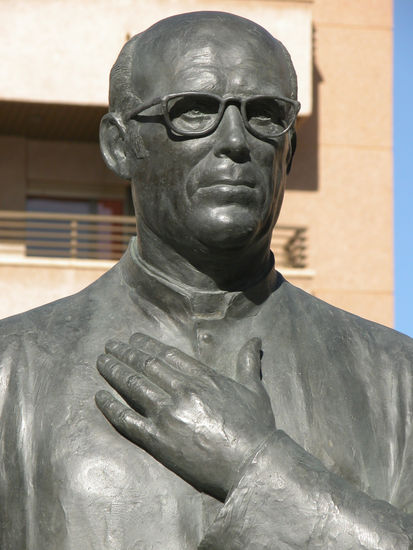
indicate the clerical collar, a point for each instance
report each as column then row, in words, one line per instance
column 180, row 300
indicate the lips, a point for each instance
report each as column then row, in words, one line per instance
column 225, row 176
column 221, row 181
column 226, row 191
column 229, row 182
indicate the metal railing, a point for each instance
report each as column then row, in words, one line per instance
column 290, row 245
column 106, row 237
column 67, row 235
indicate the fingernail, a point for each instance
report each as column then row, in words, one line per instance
column 102, row 398
column 112, row 345
column 102, row 361
column 137, row 337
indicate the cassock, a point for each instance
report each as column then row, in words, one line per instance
column 337, row 473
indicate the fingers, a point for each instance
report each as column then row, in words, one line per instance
column 131, row 356
column 154, row 368
column 140, row 393
column 129, row 423
column 170, row 355
column 249, row 364
column 147, row 344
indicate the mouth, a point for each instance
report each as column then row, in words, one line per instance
column 227, row 191
column 224, row 182
column 227, row 185
column 231, row 183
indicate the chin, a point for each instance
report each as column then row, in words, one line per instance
column 232, row 229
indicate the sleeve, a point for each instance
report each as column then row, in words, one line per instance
column 286, row 499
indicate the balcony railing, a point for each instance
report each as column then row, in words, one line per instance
column 106, row 237
column 290, row 246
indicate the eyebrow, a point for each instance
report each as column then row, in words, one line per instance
column 202, row 79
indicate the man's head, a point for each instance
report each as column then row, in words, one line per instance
column 222, row 189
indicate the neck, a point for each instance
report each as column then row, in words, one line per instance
column 211, row 270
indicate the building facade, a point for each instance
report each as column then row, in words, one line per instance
column 65, row 218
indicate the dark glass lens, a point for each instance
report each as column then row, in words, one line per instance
column 269, row 117
column 193, row 113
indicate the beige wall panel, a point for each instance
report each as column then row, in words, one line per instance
column 365, row 13
column 350, row 219
column 376, row 306
column 12, row 173
column 67, row 161
column 353, row 237
column 355, row 91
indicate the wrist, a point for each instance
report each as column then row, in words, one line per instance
column 248, row 458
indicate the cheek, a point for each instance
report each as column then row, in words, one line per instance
column 270, row 161
column 267, row 164
column 171, row 160
column 264, row 156
column 160, row 184
column 270, row 156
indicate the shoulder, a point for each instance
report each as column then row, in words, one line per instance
column 342, row 328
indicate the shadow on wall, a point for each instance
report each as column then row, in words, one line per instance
column 304, row 171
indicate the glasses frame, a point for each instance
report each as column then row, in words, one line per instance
column 223, row 103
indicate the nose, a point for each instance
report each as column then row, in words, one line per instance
column 230, row 136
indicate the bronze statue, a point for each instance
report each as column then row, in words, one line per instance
column 239, row 412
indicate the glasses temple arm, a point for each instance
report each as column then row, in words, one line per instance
column 144, row 106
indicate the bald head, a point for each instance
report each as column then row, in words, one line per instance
column 203, row 37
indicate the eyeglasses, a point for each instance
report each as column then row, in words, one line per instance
column 196, row 114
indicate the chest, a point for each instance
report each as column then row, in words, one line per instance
column 95, row 489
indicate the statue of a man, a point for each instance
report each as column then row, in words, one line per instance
column 239, row 412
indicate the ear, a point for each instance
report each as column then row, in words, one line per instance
column 114, row 145
column 293, row 144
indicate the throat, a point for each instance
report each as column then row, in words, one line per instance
column 206, row 269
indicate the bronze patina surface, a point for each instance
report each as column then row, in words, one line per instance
column 239, row 412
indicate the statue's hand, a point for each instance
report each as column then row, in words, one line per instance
column 198, row 423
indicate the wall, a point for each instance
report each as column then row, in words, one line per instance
column 341, row 182
column 348, row 141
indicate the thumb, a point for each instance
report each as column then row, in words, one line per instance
column 249, row 364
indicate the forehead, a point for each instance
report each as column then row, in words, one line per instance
column 223, row 64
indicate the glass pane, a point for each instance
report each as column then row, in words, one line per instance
column 268, row 116
column 64, row 206
column 193, row 113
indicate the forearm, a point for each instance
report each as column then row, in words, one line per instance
column 285, row 498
